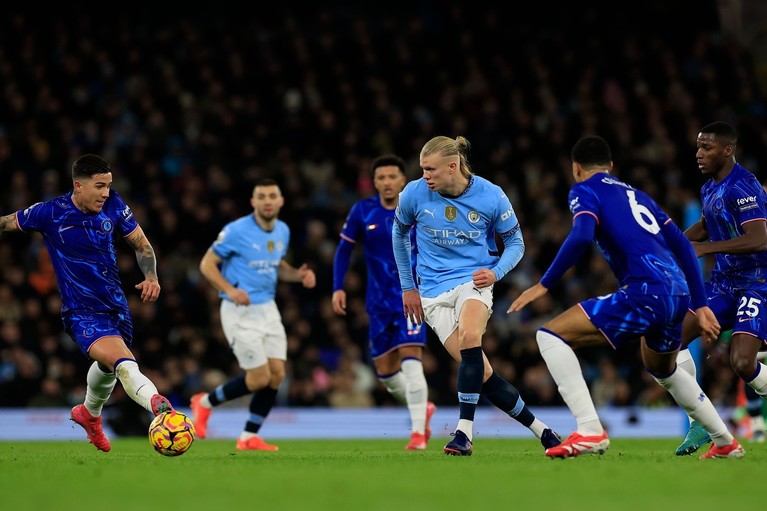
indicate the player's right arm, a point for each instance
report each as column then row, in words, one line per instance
column 697, row 231
column 209, row 267
column 8, row 224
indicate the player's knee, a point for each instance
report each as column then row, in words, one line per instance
column 256, row 380
column 743, row 366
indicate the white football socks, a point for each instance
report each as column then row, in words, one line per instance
column 566, row 371
column 99, row 388
column 396, row 385
column 138, row 387
column 417, row 393
column 759, row 384
column 688, row 394
column 685, row 362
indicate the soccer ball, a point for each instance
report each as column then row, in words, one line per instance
column 171, row 433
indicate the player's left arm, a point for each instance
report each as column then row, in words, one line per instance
column 513, row 250
column 147, row 262
column 303, row 274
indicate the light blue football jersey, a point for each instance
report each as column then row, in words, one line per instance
column 251, row 256
column 455, row 235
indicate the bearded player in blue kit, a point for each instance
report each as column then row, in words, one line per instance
column 79, row 229
column 456, row 215
column 658, row 279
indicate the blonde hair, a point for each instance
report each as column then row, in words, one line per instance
column 446, row 146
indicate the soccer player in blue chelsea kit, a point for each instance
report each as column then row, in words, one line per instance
column 733, row 227
column 79, row 229
column 658, row 279
column 244, row 264
column 456, row 215
column 396, row 344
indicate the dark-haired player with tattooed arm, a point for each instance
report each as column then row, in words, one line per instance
column 79, row 230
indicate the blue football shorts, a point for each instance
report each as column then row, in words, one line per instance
column 623, row 318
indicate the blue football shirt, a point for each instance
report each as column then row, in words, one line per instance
column 371, row 224
column 628, row 235
column 82, row 250
column 727, row 205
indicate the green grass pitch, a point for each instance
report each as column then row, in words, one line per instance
column 368, row 475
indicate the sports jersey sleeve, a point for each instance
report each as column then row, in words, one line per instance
column 223, row 247
column 508, row 228
column 744, row 201
column 584, row 207
column 685, row 254
column 400, row 233
column 126, row 222
column 33, row 217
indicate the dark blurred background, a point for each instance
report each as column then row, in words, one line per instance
column 193, row 105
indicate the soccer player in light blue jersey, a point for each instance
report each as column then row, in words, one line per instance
column 79, row 229
column 658, row 278
column 456, row 216
column 733, row 227
column 396, row 344
column 244, row 264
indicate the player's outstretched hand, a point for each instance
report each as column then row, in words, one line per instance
column 528, row 295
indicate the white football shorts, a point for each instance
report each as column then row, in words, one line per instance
column 442, row 312
column 254, row 332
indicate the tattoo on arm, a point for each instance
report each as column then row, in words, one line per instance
column 7, row 224
column 147, row 260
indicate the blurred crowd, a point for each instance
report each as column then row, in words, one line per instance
column 193, row 107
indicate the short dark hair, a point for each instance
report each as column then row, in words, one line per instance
column 724, row 133
column 266, row 181
column 89, row 164
column 387, row 160
column 591, row 151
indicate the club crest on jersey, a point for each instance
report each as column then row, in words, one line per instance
column 719, row 204
column 450, row 213
column 270, row 246
column 106, row 225
column 473, row 217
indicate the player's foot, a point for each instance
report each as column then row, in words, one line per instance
column 577, row 444
column 696, row 438
column 758, row 436
column 550, row 438
column 430, row 409
column 255, row 443
column 92, row 427
column 200, row 415
column 460, row 445
column 417, row 442
column 734, row 450
column 160, row 404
